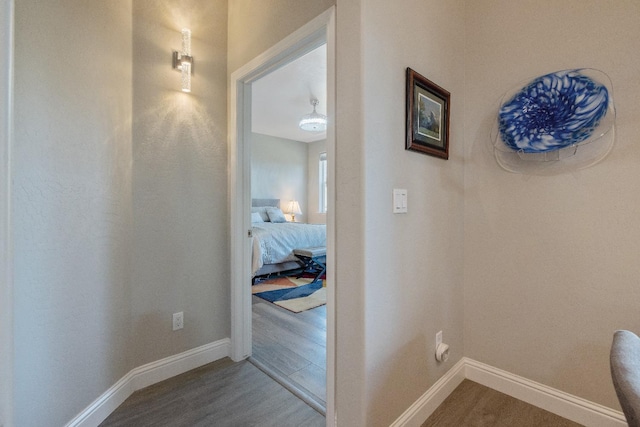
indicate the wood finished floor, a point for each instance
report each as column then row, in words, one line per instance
column 292, row 345
column 472, row 404
column 222, row 393
column 228, row 394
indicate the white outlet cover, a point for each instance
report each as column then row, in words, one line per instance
column 178, row 321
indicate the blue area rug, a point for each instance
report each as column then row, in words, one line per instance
column 290, row 293
column 293, row 294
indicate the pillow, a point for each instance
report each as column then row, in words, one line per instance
column 276, row 215
column 256, row 217
column 262, row 210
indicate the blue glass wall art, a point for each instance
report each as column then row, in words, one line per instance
column 552, row 117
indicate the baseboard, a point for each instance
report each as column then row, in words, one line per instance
column 566, row 405
column 432, row 398
column 558, row 402
column 147, row 375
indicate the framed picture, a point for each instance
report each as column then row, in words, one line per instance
column 427, row 116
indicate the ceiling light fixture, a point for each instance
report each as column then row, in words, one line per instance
column 314, row 122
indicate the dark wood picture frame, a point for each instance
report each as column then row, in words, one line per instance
column 427, row 116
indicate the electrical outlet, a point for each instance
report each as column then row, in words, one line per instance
column 438, row 339
column 178, row 321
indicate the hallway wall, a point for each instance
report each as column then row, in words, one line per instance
column 551, row 262
column 181, row 242
column 71, row 205
column 255, row 26
column 413, row 282
column 120, row 220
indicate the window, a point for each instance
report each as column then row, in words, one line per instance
column 322, row 182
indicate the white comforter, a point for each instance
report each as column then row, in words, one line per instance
column 274, row 242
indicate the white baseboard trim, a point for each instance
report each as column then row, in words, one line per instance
column 146, row 375
column 558, row 402
column 432, row 398
column 566, row 405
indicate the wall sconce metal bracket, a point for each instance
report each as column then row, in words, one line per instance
column 179, row 59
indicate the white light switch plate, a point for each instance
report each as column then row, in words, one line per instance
column 399, row 200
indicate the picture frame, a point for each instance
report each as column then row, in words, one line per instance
column 427, row 114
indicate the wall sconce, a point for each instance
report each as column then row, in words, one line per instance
column 183, row 61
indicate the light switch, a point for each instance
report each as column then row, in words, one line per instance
column 399, row 200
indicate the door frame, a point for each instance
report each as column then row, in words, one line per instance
column 6, row 251
column 318, row 31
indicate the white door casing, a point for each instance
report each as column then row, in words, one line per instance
column 318, row 31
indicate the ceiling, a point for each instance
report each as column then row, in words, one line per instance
column 283, row 96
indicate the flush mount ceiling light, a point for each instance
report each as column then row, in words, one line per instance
column 314, row 122
column 183, row 61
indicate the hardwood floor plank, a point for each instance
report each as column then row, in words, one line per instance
column 295, row 343
column 265, row 397
column 269, row 351
column 223, row 394
column 295, row 323
column 155, row 413
column 314, row 379
column 292, row 346
column 472, row 404
column 315, row 316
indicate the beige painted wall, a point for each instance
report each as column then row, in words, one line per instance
column 181, row 248
column 255, row 26
column 551, row 262
column 114, row 232
column 71, row 205
column 279, row 170
column 414, row 280
column 350, row 196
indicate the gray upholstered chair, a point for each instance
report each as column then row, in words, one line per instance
column 625, row 372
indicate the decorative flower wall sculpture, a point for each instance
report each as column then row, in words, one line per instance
column 552, row 112
column 555, row 123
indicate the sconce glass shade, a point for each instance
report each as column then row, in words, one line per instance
column 183, row 61
column 186, row 77
column 186, row 42
column 314, row 122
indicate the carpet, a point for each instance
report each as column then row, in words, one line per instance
column 293, row 294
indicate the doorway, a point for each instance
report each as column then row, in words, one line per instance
column 319, row 31
column 289, row 316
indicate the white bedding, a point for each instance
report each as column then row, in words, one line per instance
column 274, row 242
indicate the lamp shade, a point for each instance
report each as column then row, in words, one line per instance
column 294, row 208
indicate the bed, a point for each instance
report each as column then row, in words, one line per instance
column 274, row 239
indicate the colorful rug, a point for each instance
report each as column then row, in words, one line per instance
column 293, row 294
